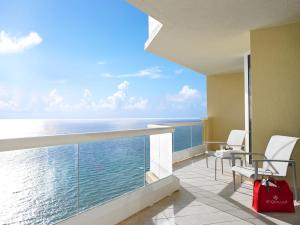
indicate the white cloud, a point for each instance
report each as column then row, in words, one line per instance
column 55, row 102
column 7, row 105
column 10, row 45
column 185, row 94
column 87, row 94
column 123, row 86
column 179, row 71
column 136, row 103
column 120, row 103
column 121, row 100
column 86, row 101
column 101, row 62
column 152, row 73
column 117, row 99
column 7, row 101
column 187, row 101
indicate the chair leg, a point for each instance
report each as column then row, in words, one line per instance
column 206, row 161
column 241, row 163
column 295, row 181
column 233, row 176
column 222, row 165
column 216, row 168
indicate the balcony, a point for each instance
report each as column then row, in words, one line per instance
column 91, row 178
column 70, row 179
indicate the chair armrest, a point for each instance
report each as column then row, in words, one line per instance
column 243, row 153
column 273, row 160
column 230, row 147
column 214, row 142
column 246, row 153
column 255, row 162
column 237, row 145
column 242, row 146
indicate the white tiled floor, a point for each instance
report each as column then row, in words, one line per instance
column 202, row 200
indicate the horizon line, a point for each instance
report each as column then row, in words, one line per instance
column 129, row 118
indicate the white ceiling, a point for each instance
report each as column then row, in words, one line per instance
column 211, row 36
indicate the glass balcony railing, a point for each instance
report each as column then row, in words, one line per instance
column 187, row 135
column 50, row 178
column 108, row 169
column 46, row 179
column 46, row 185
column 197, row 135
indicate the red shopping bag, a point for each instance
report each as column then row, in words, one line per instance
column 272, row 198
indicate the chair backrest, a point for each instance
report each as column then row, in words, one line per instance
column 279, row 148
column 236, row 137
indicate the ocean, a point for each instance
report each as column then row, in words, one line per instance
column 46, row 185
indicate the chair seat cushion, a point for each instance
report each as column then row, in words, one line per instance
column 249, row 171
column 227, row 153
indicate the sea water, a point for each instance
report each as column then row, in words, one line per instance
column 46, row 185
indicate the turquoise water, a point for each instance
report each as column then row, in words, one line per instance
column 46, row 185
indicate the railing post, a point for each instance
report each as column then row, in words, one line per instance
column 191, row 129
column 205, row 132
column 161, row 150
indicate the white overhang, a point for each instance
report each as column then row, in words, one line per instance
column 211, row 36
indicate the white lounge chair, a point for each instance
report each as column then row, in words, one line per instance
column 276, row 161
column 234, row 144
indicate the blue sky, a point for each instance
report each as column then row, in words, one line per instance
column 85, row 59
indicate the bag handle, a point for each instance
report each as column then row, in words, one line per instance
column 269, row 176
column 270, row 179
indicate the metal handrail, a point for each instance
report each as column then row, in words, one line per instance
column 55, row 140
column 180, row 124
